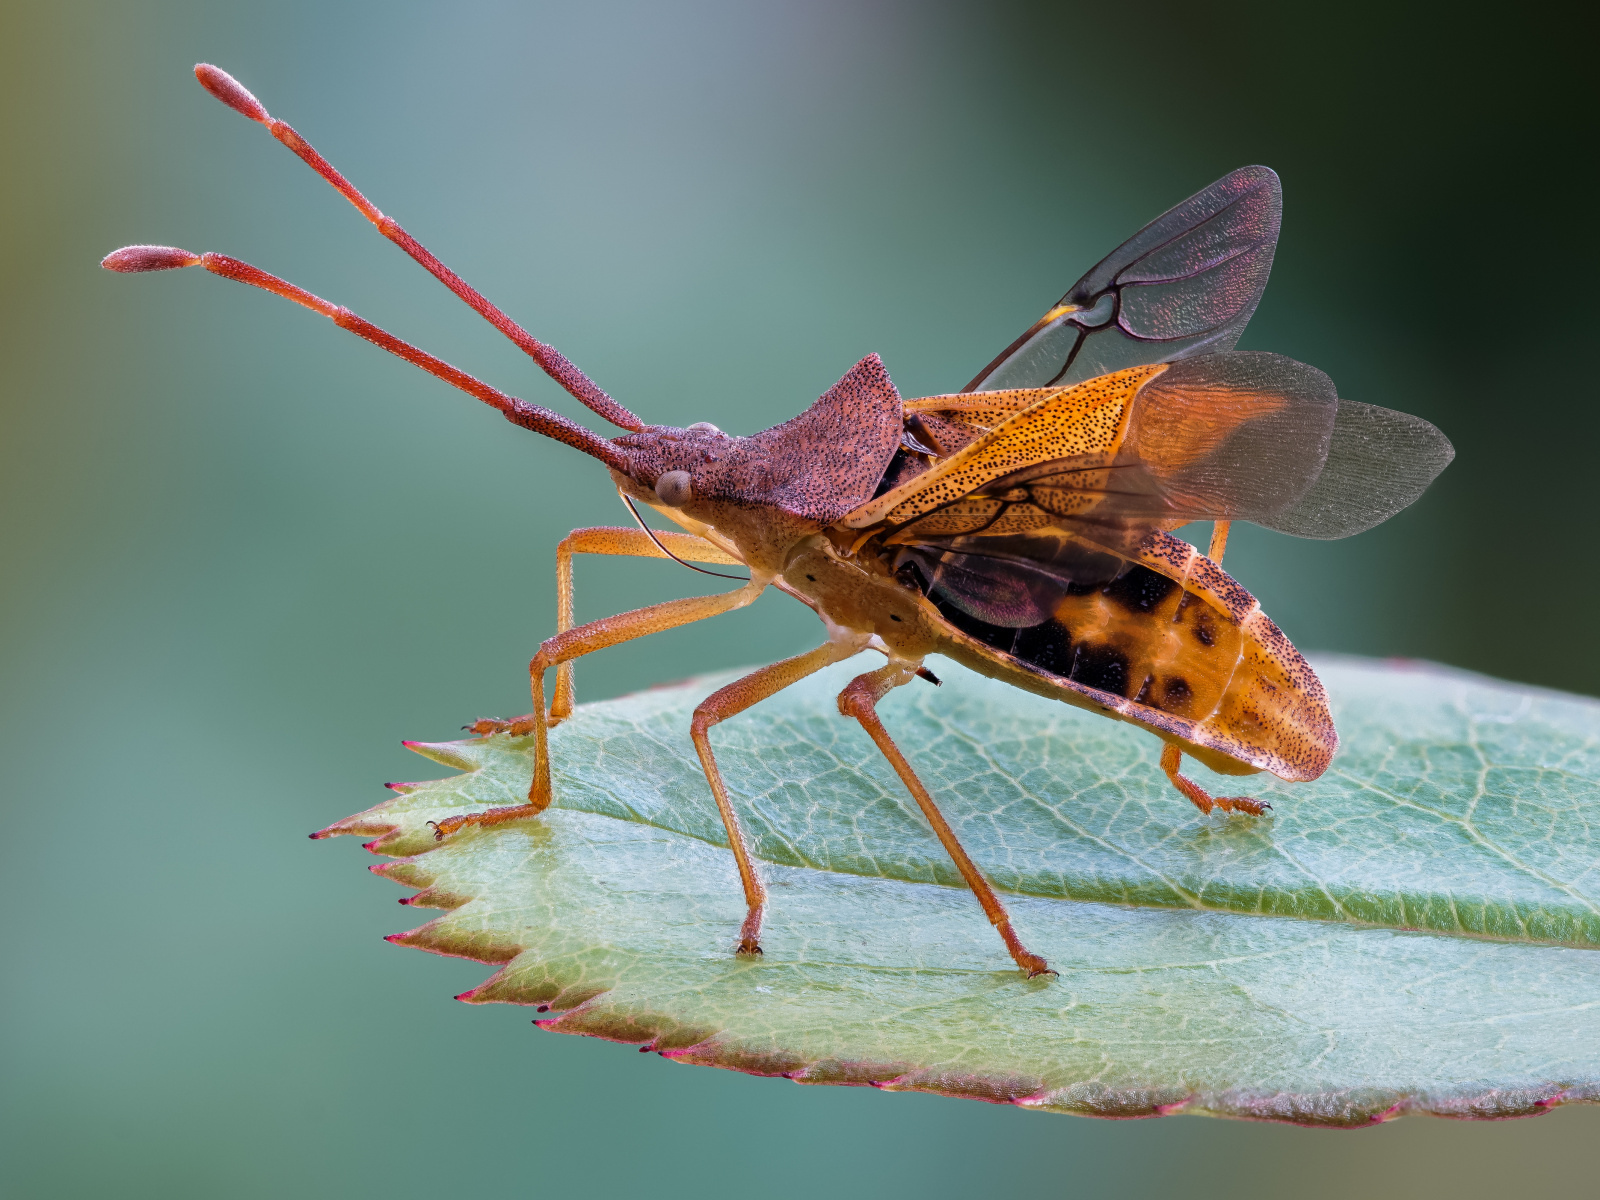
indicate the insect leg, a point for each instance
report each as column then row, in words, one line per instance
column 860, row 700
column 728, row 702
column 1219, row 540
column 1172, row 757
column 619, row 541
column 573, row 643
column 232, row 93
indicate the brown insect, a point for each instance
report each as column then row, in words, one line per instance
column 1019, row 526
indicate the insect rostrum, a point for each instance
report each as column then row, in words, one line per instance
column 1020, row 526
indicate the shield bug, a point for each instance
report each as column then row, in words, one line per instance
column 1021, row 526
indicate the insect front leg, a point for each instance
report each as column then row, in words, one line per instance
column 860, row 701
column 728, row 702
column 1172, row 758
column 599, row 539
column 633, row 543
column 573, row 643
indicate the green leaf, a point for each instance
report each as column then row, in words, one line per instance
column 1416, row 931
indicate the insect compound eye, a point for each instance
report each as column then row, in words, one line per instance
column 705, row 427
column 674, row 488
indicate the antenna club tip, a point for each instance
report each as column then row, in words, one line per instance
column 131, row 259
column 231, row 92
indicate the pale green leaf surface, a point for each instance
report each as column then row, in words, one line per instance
column 1219, row 964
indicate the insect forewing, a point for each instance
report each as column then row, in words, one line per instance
column 1239, row 436
column 1187, row 283
column 1057, row 494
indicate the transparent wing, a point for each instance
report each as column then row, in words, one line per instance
column 1255, row 437
column 1187, row 283
column 1004, row 528
column 1380, row 461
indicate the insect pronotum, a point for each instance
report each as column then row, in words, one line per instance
column 1019, row 526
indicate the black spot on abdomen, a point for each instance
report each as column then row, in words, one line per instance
column 1175, row 696
column 1139, row 589
column 1047, row 646
column 1101, row 667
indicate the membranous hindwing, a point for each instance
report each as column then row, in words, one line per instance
column 1187, row 283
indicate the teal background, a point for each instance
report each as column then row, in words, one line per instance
column 244, row 554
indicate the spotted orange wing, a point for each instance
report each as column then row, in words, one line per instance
column 1061, row 489
column 1236, row 436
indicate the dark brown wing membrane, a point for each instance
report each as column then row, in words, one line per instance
column 1380, row 461
column 1187, row 283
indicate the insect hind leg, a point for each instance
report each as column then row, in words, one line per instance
column 1172, row 758
column 860, row 700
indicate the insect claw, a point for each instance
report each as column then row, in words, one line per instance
column 924, row 673
column 1243, row 804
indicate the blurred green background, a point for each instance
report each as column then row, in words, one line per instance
column 244, row 553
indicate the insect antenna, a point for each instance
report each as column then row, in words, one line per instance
column 519, row 412
column 651, row 534
column 554, row 364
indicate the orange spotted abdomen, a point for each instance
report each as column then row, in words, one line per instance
column 1177, row 646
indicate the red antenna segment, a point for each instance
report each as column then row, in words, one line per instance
column 555, row 364
column 518, row 412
